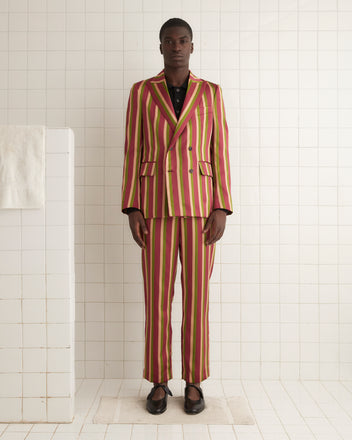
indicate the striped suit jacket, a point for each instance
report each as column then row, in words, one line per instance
column 176, row 167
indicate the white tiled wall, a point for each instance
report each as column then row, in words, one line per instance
column 37, row 305
column 281, row 302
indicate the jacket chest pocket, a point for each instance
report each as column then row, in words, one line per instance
column 202, row 110
column 205, row 168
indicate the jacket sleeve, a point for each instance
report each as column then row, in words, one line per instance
column 220, row 156
column 133, row 147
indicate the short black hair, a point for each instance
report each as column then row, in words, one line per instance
column 173, row 22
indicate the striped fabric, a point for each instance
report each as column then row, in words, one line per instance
column 167, row 237
column 176, row 167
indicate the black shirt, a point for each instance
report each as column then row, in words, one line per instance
column 178, row 95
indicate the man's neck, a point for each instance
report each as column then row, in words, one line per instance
column 176, row 77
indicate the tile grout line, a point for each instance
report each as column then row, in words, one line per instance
column 318, row 198
column 298, row 410
column 339, row 295
column 317, row 403
column 275, row 411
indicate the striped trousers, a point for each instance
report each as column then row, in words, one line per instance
column 167, row 238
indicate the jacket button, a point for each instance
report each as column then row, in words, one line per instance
column 190, row 148
column 191, row 170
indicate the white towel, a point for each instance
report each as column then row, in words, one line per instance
column 22, row 166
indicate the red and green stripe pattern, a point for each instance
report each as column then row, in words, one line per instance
column 191, row 176
column 167, row 237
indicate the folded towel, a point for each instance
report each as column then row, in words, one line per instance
column 22, row 166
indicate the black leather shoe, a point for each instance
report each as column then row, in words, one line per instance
column 194, row 406
column 158, row 406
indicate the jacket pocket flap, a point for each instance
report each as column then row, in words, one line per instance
column 206, row 169
column 147, row 169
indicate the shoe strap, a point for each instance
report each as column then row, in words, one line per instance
column 197, row 388
column 159, row 385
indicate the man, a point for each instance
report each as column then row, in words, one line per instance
column 176, row 192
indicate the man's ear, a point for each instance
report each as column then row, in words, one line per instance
column 191, row 47
column 161, row 50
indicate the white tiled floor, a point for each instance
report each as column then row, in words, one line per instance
column 284, row 410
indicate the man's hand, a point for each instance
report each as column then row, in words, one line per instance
column 216, row 225
column 138, row 227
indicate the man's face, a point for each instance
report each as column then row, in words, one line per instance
column 176, row 47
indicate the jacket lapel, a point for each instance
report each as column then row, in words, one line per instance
column 194, row 93
column 159, row 91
